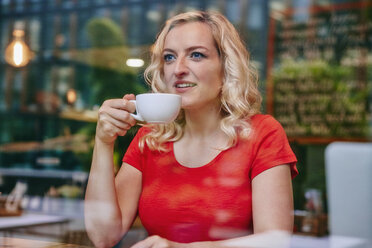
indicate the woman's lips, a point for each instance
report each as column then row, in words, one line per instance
column 183, row 86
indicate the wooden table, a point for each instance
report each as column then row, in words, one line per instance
column 300, row 241
column 9, row 242
column 30, row 220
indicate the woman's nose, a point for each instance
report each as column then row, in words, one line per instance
column 181, row 68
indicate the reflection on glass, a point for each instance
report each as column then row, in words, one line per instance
column 135, row 62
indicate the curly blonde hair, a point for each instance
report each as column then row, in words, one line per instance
column 240, row 97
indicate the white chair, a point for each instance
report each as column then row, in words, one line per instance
column 349, row 189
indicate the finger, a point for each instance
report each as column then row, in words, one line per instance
column 140, row 244
column 125, row 125
column 113, row 108
column 115, row 131
column 111, row 125
column 123, row 104
column 122, row 132
column 129, row 97
column 121, row 116
column 146, row 243
column 128, row 105
column 154, row 241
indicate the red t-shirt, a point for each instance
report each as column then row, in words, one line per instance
column 211, row 202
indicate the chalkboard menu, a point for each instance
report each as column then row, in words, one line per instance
column 320, row 71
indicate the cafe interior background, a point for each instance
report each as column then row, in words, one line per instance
column 60, row 59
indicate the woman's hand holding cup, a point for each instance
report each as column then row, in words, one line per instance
column 116, row 116
column 114, row 119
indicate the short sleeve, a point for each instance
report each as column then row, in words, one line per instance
column 133, row 156
column 272, row 147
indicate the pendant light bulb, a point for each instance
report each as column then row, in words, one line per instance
column 17, row 53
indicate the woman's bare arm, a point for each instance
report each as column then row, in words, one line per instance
column 102, row 213
column 106, row 221
column 272, row 200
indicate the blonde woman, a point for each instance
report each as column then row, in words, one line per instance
column 218, row 174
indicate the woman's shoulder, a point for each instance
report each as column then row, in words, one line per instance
column 263, row 119
column 265, row 124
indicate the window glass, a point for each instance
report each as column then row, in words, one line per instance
column 255, row 15
column 82, row 36
column 135, row 27
column 154, row 18
column 4, row 38
column 34, row 33
column 193, row 5
column 99, row 2
column 2, row 92
column 67, row 4
column 50, row 30
column 64, row 37
column 233, row 11
column 19, row 5
column 83, row 3
column 5, row 6
column 213, row 5
column 36, row 5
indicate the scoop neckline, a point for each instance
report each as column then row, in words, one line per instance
column 210, row 163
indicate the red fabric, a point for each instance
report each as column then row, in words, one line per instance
column 212, row 202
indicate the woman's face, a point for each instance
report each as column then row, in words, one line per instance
column 192, row 66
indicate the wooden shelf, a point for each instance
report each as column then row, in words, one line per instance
column 87, row 116
column 84, row 115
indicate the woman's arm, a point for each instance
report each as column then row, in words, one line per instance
column 272, row 200
column 272, row 216
column 128, row 184
column 102, row 214
column 105, row 220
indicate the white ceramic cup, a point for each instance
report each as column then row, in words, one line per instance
column 157, row 107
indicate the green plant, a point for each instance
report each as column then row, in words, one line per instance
column 109, row 77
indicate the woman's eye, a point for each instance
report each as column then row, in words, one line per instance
column 197, row 55
column 168, row 57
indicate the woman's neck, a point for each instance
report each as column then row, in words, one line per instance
column 203, row 132
column 203, row 122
